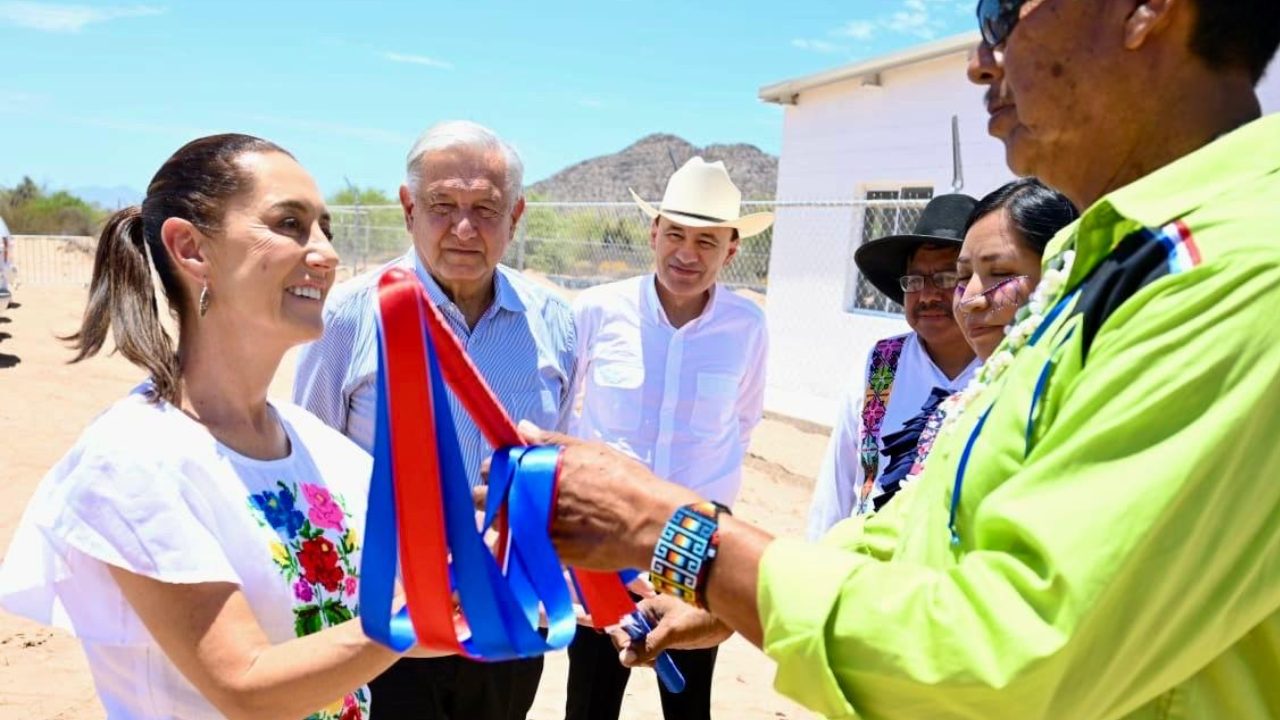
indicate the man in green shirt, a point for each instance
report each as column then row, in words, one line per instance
column 1097, row 531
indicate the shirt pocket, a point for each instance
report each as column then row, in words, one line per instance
column 618, row 390
column 713, row 404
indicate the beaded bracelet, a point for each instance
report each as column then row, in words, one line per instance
column 685, row 550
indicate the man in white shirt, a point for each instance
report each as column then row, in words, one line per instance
column 906, row 376
column 671, row 371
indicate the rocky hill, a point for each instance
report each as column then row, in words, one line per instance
column 647, row 164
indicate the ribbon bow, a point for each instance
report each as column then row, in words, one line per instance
column 421, row 515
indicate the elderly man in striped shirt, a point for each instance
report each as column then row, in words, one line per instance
column 462, row 200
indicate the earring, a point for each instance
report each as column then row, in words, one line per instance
column 204, row 299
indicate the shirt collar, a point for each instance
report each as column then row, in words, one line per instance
column 505, row 296
column 956, row 383
column 653, row 305
column 1236, row 158
column 1232, row 161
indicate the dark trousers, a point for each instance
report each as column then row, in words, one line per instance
column 454, row 688
column 597, row 681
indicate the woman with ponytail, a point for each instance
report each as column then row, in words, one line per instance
column 203, row 542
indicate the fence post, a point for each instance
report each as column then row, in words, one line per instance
column 366, row 229
column 520, row 242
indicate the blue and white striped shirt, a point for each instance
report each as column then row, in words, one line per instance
column 523, row 346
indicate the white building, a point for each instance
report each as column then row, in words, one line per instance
column 874, row 129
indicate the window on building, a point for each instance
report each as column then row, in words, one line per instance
column 888, row 212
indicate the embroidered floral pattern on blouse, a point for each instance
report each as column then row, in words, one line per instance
column 315, row 554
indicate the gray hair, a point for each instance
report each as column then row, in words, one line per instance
column 454, row 134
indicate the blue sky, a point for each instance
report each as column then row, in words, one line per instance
column 101, row 93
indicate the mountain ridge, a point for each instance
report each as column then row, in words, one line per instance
column 645, row 166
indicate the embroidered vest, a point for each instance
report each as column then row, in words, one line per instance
column 880, row 375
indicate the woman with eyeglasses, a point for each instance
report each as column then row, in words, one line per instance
column 997, row 270
column 999, row 264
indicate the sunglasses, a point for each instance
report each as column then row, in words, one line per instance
column 990, row 303
column 915, row 283
column 997, row 18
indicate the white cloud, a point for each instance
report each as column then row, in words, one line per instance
column 819, row 46
column 858, row 29
column 911, row 23
column 417, row 60
column 916, row 18
column 591, row 103
column 16, row 101
column 52, row 17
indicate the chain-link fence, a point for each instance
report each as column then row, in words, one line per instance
column 574, row 244
column 882, row 218
column 578, row 244
column 53, row 259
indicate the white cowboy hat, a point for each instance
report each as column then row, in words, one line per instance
column 700, row 194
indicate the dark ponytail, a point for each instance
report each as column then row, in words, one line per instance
column 122, row 298
column 195, row 185
column 1036, row 211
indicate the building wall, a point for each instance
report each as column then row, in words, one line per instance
column 839, row 141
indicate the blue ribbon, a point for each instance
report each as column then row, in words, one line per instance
column 380, row 556
column 502, row 611
column 670, row 676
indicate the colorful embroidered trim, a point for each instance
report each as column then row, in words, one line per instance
column 1178, row 243
column 880, row 376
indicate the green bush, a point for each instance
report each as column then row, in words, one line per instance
column 29, row 209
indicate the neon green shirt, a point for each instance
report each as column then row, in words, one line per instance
column 1118, row 548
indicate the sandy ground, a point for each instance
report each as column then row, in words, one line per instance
column 44, row 403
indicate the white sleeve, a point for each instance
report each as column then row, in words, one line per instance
column 835, row 490
column 101, row 506
column 569, row 332
column 584, row 332
column 750, row 408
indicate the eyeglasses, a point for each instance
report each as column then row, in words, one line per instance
column 915, row 283
column 997, row 18
column 1010, row 292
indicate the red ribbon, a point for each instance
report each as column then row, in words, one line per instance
column 602, row 593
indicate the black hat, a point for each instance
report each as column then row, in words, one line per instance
column 884, row 260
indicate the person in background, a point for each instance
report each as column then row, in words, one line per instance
column 672, row 370
column 902, row 373
column 999, row 263
column 462, row 199
column 998, row 268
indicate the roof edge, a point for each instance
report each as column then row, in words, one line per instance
column 785, row 92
